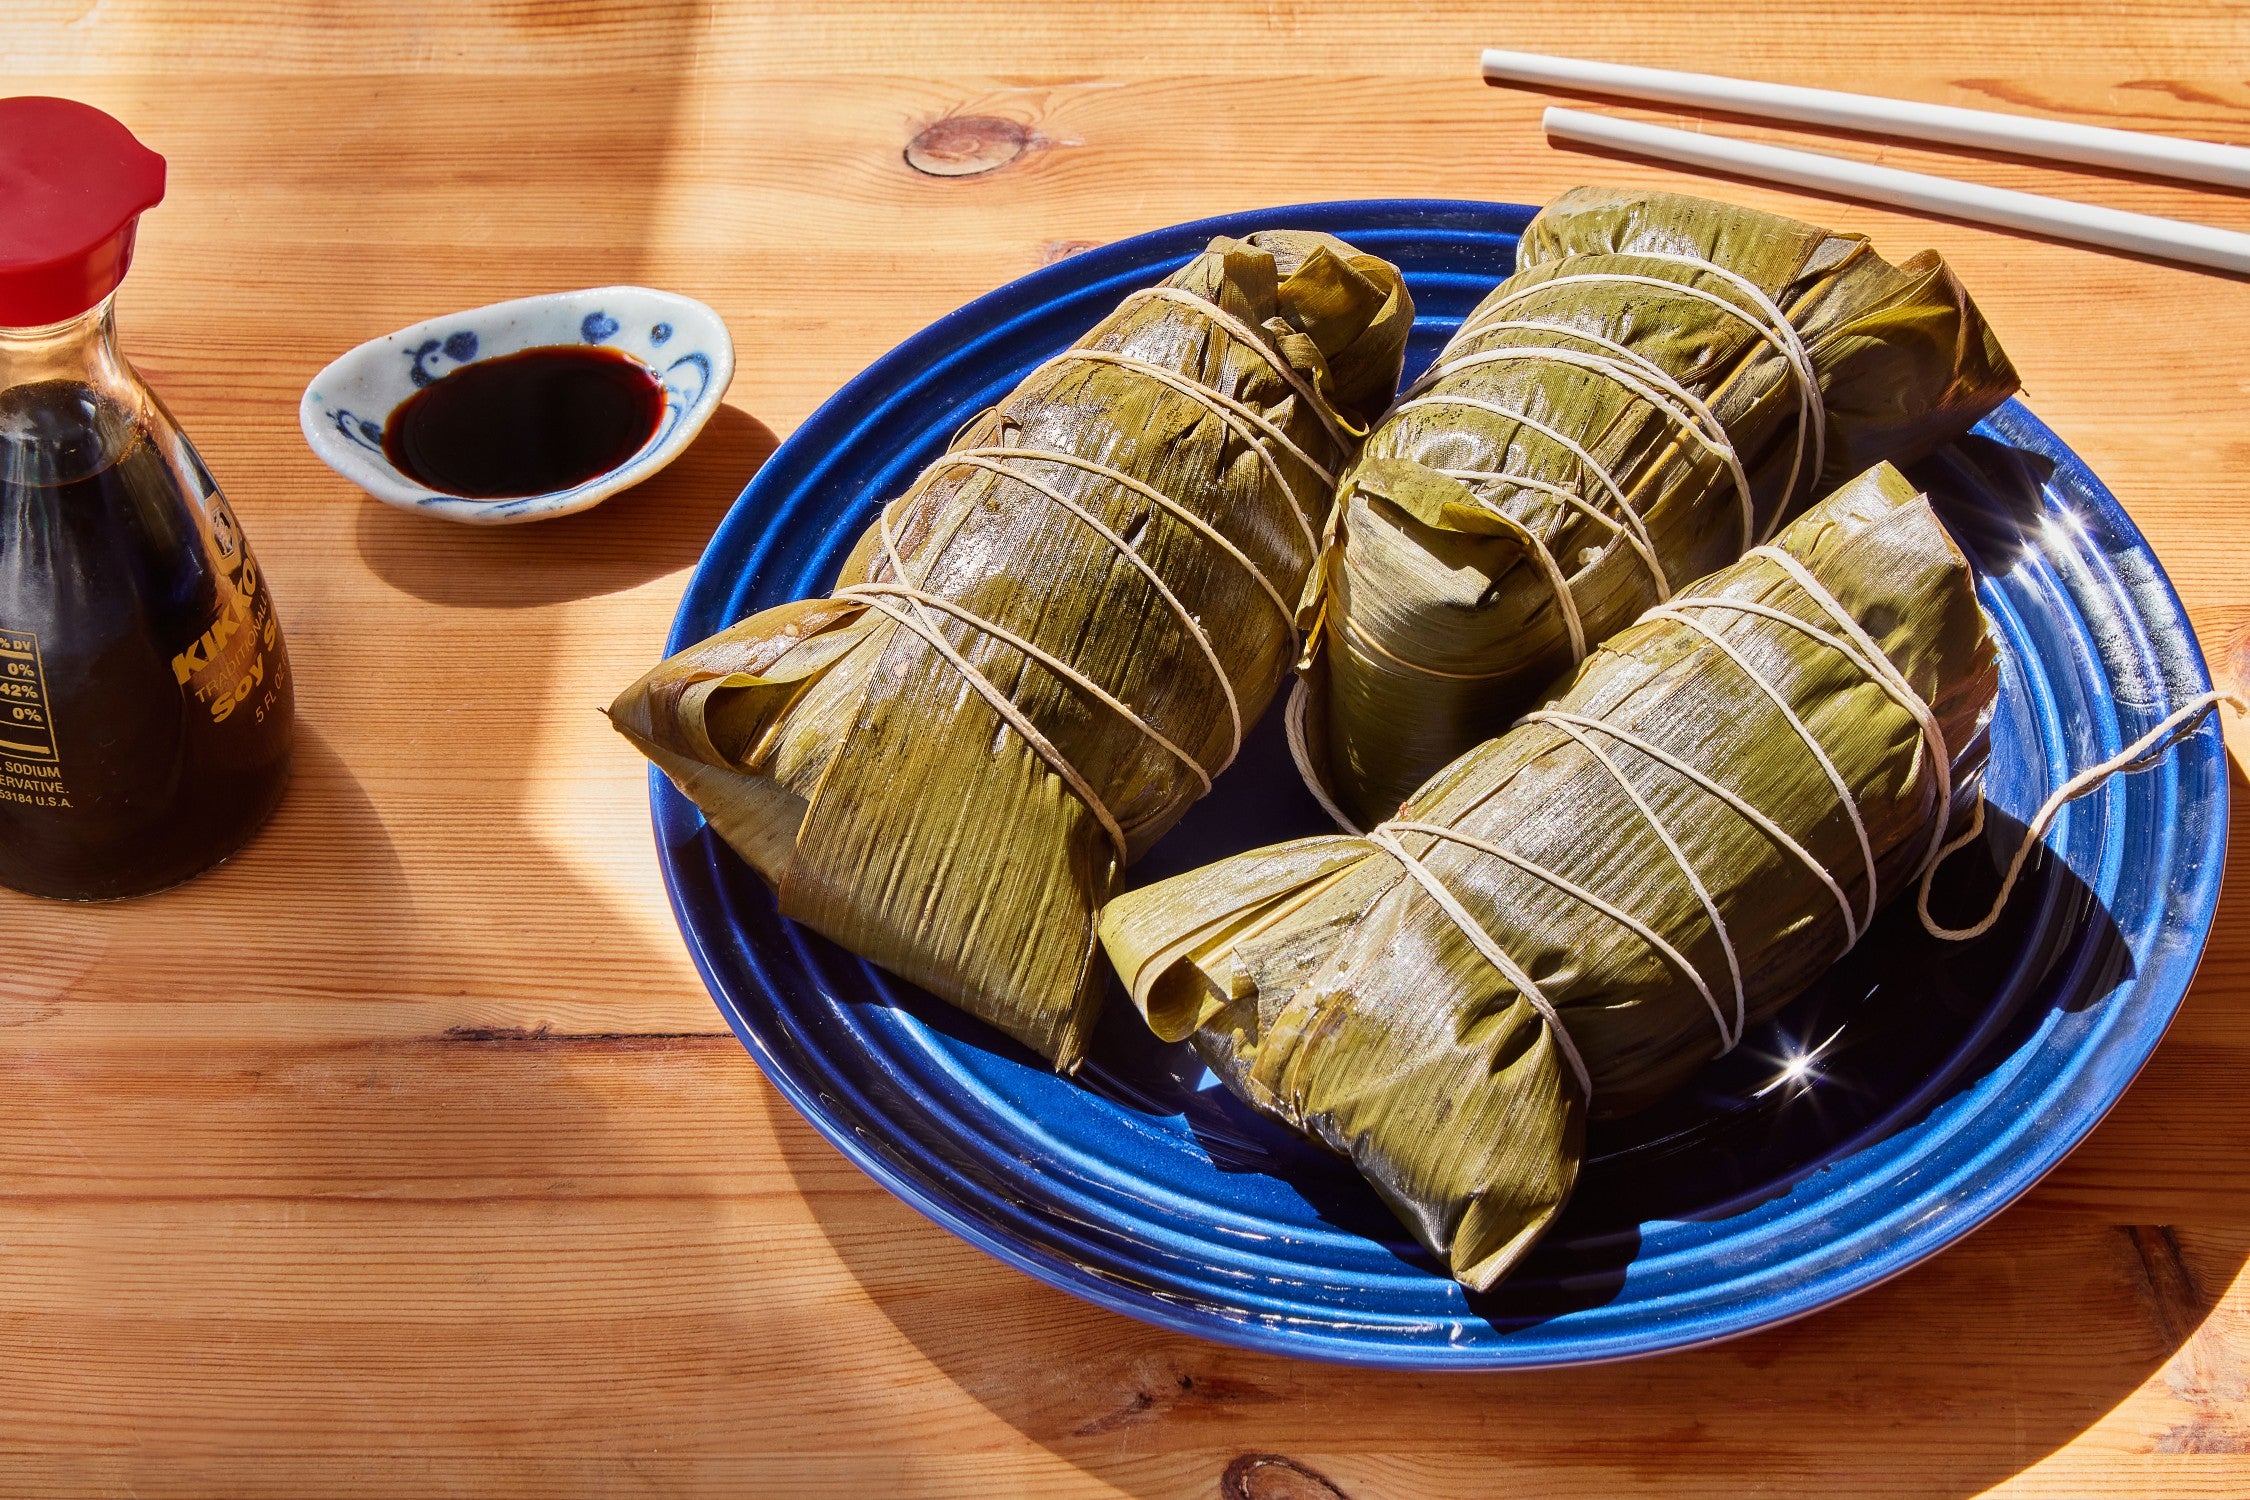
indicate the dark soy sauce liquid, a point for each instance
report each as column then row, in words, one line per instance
column 526, row 424
column 145, row 699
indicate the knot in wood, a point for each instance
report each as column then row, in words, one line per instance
column 965, row 145
column 1270, row 1476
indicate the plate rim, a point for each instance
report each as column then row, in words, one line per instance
column 674, row 821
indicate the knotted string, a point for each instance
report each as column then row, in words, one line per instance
column 2169, row 731
column 1862, row 651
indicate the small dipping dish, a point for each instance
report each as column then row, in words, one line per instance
column 622, row 377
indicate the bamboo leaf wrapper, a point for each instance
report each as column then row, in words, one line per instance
column 1036, row 658
column 1659, row 386
column 1574, row 915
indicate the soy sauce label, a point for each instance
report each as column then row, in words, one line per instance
column 29, row 769
column 225, row 665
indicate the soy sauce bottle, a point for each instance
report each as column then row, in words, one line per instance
column 146, row 708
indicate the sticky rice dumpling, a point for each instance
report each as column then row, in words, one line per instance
column 1576, row 915
column 1661, row 384
column 1038, row 656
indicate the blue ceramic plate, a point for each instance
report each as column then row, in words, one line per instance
column 1882, row 1116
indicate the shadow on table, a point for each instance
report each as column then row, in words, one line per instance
column 258, row 1125
column 373, row 1154
column 370, row 1176
column 658, row 526
column 1944, row 1382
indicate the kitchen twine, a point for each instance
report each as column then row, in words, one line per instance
column 1643, row 378
column 1775, row 330
column 903, row 600
column 1862, row 651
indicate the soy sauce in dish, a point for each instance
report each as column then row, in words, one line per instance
column 526, row 424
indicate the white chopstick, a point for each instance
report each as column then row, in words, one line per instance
column 2144, row 234
column 2025, row 135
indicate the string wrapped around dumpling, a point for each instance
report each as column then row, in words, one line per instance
column 1661, row 384
column 1581, row 912
column 1039, row 655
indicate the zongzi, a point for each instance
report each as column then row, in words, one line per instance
column 1660, row 385
column 1578, row 914
column 1041, row 652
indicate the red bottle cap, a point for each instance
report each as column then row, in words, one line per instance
column 75, row 184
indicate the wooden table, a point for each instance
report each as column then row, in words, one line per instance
column 406, row 1155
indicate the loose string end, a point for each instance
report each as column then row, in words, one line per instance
column 2137, row 756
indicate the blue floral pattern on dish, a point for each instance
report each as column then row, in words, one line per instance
column 360, row 431
column 681, row 395
column 344, row 410
column 459, row 347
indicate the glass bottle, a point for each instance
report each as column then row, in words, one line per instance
column 146, row 708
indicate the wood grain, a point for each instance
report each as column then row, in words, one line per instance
column 405, row 1155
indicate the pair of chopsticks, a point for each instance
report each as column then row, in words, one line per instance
column 2022, row 135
